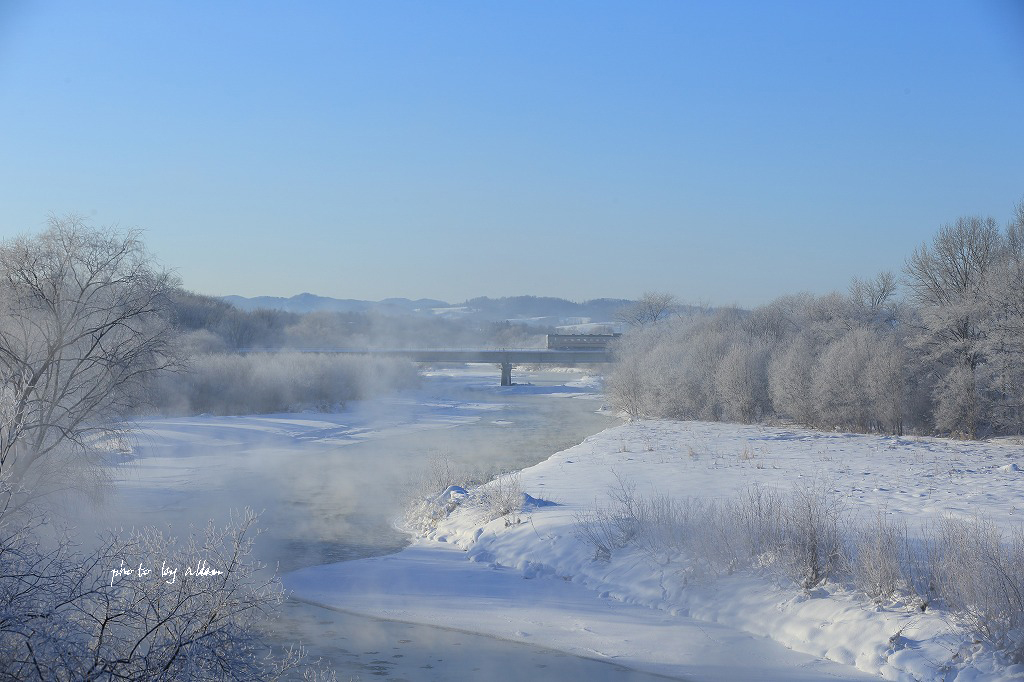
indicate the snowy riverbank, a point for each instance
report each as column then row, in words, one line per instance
column 537, row 581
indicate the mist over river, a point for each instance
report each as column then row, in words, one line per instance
column 329, row 487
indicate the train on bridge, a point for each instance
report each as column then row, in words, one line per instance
column 580, row 341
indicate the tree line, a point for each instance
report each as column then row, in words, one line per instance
column 938, row 348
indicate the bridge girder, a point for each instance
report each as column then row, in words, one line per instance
column 506, row 358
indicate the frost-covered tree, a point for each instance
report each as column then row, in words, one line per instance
column 81, row 330
column 686, row 360
column 830, row 317
column 770, row 324
column 790, row 380
column 888, row 386
column 948, row 282
column 668, row 370
column 649, row 309
column 1004, row 344
column 838, row 388
column 874, row 294
column 628, row 386
column 742, row 381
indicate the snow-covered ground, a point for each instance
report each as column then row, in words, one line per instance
column 537, row 581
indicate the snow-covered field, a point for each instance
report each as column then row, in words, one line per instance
column 536, row 581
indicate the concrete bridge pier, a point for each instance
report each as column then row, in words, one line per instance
column 506, row 373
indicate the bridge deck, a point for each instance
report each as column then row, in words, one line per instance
column 475, row 355
column 504, row 357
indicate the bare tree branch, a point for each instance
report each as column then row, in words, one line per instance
column 651, row 308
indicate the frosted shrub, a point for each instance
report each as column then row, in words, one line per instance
column 662, row 527
column 626, row 388
column 668, row 371
column 423, row 514
column 629, row 385
column 614, row 526
column 838, row 388
column 218, row 384
column 719, row 538
column 761, row 521
column 598, row 527
column 438, row 489
column 440, row 473
column 503, row 496
column 813, row 539
column 888, row 385
column 695, row 394
column 443, row 487
column 979, row 573
column 665, row 526
column 631, row 512
column 882, row 558
column 957, row 403
column 801, row 534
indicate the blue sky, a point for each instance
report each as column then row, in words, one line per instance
column 727, row 152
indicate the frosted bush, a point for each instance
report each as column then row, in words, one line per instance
column 503, row 497
column 612, row 526
column 598, row 528
column 882, row 556
column 801, row 534
column 813, row 538
column 759, row 513
column 979, row 573
column 435, row 490
column 665, row 526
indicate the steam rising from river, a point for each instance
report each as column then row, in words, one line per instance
column 329, row 486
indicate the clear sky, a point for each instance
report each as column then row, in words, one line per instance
column 726, row 152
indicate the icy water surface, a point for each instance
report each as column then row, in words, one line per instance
column 368, row 649
column 329, row 488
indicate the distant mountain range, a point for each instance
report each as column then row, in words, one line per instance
column 308, row 303
column 541, row 310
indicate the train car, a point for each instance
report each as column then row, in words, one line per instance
column 580, row 341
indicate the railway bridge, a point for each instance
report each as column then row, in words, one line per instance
column 506, row 358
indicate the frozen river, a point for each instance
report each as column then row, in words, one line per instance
column 329, row 487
